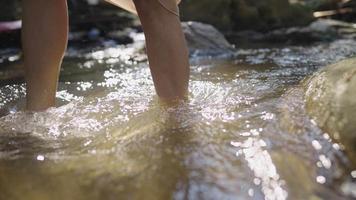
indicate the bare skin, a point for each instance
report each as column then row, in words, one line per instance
column 45, row 32
column 44, row 38
column 166, row 49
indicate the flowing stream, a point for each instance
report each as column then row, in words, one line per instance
column 243, row 134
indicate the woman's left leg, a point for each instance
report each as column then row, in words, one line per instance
column 44, row 37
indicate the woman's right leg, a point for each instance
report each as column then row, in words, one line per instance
column 44, row 38
column 166, row 48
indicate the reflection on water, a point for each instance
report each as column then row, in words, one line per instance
column 243, row 134
column 260, row 162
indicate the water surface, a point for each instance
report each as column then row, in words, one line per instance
column 243, row 134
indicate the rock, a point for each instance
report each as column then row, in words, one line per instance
column 296, row 35
column 330, row 97
column 237, row 15
column 331, row 27
column 319, row 30
column 205, row 38
column 202, row 40
column 322, row 26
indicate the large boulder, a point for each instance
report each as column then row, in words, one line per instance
column 205, row 38
column 330, row 97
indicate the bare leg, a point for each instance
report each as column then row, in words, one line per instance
column 166, row 49
column 44, row 37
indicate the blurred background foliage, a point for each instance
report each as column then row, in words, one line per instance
column 227, row 15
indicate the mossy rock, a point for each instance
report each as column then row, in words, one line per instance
column 330, row 97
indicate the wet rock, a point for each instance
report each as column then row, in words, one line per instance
column 205, row 38
column 330, row 98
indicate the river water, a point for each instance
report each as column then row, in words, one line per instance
column 243, row 134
